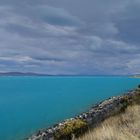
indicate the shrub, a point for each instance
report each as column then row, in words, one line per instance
column 76, row 127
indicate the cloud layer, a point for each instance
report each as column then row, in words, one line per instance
column 70, row 37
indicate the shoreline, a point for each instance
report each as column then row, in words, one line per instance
column 80, row 124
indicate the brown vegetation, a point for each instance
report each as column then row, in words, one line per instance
column 125, row 126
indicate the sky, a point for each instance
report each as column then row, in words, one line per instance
column 70, row 37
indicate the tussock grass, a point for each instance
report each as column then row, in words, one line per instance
column 125, row 126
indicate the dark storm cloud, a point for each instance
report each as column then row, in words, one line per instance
column 70, row 37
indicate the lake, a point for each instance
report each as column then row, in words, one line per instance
column 30, row 103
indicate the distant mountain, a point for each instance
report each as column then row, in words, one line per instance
column 41, row 74
column 21, row 74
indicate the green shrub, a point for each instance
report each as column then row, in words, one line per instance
column 125, row 102
column 76, row 127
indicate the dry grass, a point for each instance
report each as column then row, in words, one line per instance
column 125, row 126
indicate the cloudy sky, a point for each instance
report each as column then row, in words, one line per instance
column 86, row 37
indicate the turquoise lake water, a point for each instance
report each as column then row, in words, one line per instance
column 30, row 103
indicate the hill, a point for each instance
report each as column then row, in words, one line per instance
column 21, row 74
column 125, row 126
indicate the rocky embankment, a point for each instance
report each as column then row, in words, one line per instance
column 75, row 127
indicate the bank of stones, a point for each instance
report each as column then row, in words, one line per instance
column 74, row 127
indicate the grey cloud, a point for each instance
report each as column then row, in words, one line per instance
column 70, row 37
column 24, row 30
column 57, row 16
column 47, row 59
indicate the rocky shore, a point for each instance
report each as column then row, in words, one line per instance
column 75, row 127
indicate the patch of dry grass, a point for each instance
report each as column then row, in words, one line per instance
column 125, row 126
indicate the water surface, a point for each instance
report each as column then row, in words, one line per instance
column 30, row 103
